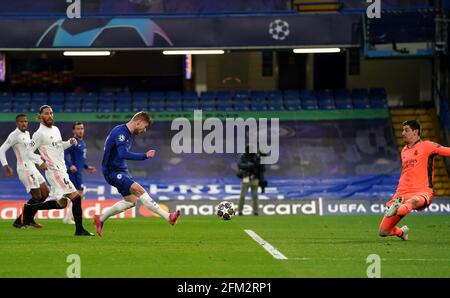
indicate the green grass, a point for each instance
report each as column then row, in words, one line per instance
column 331, row 246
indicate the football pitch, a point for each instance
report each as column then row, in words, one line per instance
column 313, row 246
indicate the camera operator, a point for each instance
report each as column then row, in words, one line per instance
column 251, row 171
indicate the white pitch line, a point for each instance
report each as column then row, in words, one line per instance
column 266, row 245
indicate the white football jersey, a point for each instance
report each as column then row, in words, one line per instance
column 51, row 147
column 21, row 144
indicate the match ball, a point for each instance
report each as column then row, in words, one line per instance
column 225, row 210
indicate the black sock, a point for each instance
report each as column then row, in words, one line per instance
column 33, row 209
column 77, row 214
column 32, row 202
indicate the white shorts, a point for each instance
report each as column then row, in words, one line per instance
column 30, row 178
column 60, row 183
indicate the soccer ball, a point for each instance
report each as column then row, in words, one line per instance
column 279, row 29
column 225, row 210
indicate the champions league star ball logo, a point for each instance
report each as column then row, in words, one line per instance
column 279, row 29
column 121, row 138
column 69, row 33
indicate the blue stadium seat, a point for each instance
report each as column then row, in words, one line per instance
column 360, row 94
column 225, row 105
column 377, row 93
column 241, row 95
column 275, row 95
column 378, row 98
column 242, row 105
column 325, row 98
column 260, row 105
column 39, row 96
column 291, row 95
column 208, row 105
column 275, row 105
column 342, row 94
column 189, row 96
column 61, row 95
column 207, row 96
column 310, row 105
column 90, row 97
column 190, row 105
column 292, row 105
column 157, row 107
column 344, row 104
column 72, row 106
column 140, row 104
column 144, row 95
column 361, row 103
column 5, row 106
column 308, row 95
column 6, row 96
column 35, row 105
column 70, row 96
column 124, row 98
column 89, row 107
column 58, row 108
column 123, row 106
column 157, row 97
column 327, row 105
column 105, row 107
column 173, row 96
column 258, row 95
column 57, row 101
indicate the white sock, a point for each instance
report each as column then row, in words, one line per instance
column 117, row 208
column 152, row 206
column 69, row 215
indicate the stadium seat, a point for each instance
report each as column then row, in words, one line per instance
column 224, row 105
column 292, row 105
column 242, row 105
column 258, row 105
column 207, row 96
column 89, row 107
column 70, row 96
column 325, row 97
column 72, row 106
column 189, row 96
column 58, row 108
column 143, row 95
column 156, row 97
column 307, row 95
column 275, row 95
column 140, row 104
column 90, row 97
column 310, row 105
column 208, row 105
column 343, row 99
column 123, row 106
column 257, row 95
column 5, row 106
column 190, row 105
column 173, row 96
column 6, row 96
column 105, row 107
column 224, row 96
column 241, row 95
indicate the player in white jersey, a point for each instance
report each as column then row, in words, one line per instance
column 47, row 139
column 19, row 140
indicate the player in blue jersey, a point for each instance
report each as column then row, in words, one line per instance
column 75, row 158
column 115, row 171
